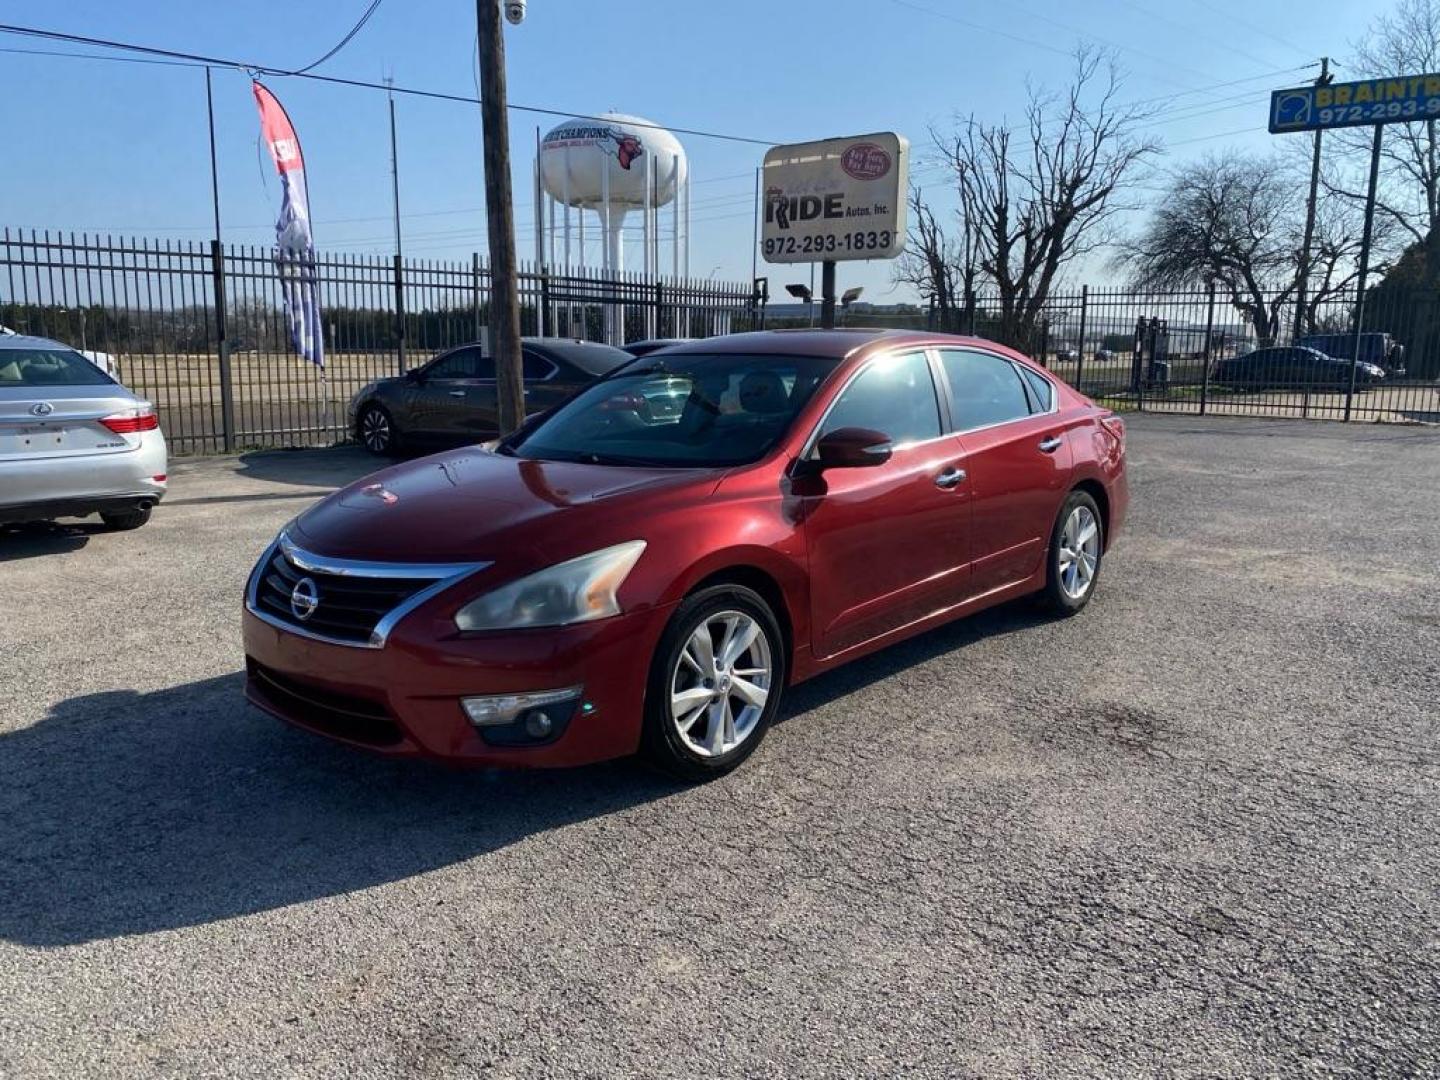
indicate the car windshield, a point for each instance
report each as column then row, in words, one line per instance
column 48, row 367
column 691, row 410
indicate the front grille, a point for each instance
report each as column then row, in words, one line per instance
column 346, row 717
column 348, row 606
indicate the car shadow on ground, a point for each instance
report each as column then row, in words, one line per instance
column 128, row 813
column 331, row 467
column 43, row 538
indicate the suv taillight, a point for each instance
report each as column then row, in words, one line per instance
column 128, row 423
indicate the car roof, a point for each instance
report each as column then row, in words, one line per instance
column 591, row 357
column 27, row 341
column 836, row 344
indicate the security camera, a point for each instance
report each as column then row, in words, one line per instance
column 515, row 11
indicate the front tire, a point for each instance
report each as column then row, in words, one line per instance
column 376, row 431
column 715, row 683
column 1077, row 543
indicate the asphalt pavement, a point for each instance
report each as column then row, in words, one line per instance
column 1190, row 832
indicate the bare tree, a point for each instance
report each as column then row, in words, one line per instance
column 939, row 262
column 1238, row 221
column 1404, row 42
column 1033, row 200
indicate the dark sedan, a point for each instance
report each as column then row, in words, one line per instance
column 1293, row 367
column 452, row 399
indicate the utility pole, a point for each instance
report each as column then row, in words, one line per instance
column 499, row 209
column 1304, row 283
column 399, row 254
column 1364, row 264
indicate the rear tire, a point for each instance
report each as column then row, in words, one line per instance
column 715, row 683
column 376, row 431
column 1077, row 543
column 125, row 520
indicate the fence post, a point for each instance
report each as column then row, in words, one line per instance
column 400, row 312
column 1080, row 344
column 475, row 286
column 553, row 318
column 227, row 386
column 659, row 308
column 1209, row 336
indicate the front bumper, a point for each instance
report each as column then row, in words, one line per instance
column 403, row 700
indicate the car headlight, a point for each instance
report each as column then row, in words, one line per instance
column 575, row 591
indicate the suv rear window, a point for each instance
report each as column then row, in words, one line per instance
column 48, row 367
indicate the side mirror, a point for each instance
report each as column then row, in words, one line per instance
column 414, row 376
column 853, row 448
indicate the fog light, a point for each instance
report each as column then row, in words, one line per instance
column 537, row 724
column 502, row 709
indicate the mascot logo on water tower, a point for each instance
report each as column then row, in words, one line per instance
column 626, row 149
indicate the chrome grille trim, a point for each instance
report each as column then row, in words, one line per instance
column 441, row 576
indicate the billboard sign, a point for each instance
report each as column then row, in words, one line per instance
column 1355, row 104
column 836, row 199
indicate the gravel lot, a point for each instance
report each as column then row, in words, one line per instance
column 1192, row 831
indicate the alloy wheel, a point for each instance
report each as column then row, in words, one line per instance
column 720, row 683
column 1079, row 552
column 375, row 431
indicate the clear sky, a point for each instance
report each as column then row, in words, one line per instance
column 122, row 148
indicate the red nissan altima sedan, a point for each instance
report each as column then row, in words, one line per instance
column 650, row 566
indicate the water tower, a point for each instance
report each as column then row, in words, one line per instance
column 609, row 166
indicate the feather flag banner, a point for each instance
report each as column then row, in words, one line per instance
column 295, row 242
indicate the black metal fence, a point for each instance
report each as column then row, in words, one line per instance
column 1179, row 352
column 1176, row 351
column 224, row 377
column 200, row 329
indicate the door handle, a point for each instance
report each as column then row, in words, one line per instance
column 457, row 393
column 950, row 478
column 1050, row 445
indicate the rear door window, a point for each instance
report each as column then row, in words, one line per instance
column 536, row 367
column 985, row 389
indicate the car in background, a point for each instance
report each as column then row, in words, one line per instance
column 606, row 580
column 1293, row 367
column 1376, row 348
column 649, row 345
column 452, row 399
column 73, row 441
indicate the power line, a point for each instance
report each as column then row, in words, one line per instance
column 256, row 68
column 97, row 56
column 1134, row 5
column 359, row 25
column 1218, row 135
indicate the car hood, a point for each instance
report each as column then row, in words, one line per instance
column 472, row 505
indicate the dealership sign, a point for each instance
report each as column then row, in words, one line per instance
column 1352, row 104
column 836, row 199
